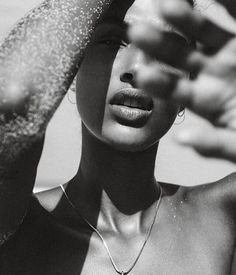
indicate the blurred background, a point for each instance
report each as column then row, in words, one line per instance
column 61, row 154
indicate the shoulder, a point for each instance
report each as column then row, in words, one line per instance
column 223, row 190
column 35, row 217
column 49, row 199
column 219, row 195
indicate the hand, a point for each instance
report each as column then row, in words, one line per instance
column 212, row 93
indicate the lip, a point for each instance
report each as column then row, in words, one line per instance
column 131, row 107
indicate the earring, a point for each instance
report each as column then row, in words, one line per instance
column 72, row 92
column 69, row 96
column 180, row 115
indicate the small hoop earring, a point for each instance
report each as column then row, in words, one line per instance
column 181, row 113
column 182, row 116
column 69, row 98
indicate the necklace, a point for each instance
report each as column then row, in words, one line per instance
column 118, row 271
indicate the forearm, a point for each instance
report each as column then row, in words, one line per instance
column 38, row 62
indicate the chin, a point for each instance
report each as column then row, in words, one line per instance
column 129, row 139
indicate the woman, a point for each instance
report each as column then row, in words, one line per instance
column 112, row 217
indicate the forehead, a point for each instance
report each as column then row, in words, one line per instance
column 143, row 10
column 131, row 12
column 137, row 11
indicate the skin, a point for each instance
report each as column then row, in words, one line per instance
column 35, row 72
column 214, row 69
column 117, row 64
column 115, row 187
column 124, row 192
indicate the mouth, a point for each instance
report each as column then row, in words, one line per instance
column 131, row 107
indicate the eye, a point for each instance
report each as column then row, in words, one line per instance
column 113, row 42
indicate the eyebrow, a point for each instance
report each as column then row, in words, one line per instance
column 124, row 25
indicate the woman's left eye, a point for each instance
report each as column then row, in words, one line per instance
column 113, row 42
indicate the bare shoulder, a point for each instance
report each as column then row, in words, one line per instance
column 219, row 195
column 49, row 199
column 224, row 190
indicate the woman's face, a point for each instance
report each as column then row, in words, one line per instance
column 111, row 105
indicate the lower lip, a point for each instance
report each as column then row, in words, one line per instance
column 133, row 117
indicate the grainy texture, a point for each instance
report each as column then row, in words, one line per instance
column 38, row 62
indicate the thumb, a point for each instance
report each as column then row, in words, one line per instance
column 210, row 141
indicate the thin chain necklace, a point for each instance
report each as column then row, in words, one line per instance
column 103, row 240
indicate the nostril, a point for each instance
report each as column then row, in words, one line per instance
column 127, row 77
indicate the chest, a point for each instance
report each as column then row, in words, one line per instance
column 173, row 248
column 164, row 254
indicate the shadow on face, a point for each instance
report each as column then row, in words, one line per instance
column 108, row 69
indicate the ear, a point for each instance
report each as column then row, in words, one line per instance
column 181, row 111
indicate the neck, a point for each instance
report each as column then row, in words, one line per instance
column 119, row 184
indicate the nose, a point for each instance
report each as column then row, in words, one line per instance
column 132, row 59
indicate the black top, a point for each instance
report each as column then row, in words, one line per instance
column 40, row 246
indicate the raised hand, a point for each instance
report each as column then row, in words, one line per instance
column 212, row 92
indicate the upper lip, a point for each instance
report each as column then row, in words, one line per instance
column 133, row 98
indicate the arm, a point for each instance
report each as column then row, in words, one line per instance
column 38, row 62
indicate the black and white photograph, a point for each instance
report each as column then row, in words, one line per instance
column 118, row 137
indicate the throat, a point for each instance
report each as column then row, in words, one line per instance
column 114, row 186
column 125, row 214
column 113, row 219
column 127, row 178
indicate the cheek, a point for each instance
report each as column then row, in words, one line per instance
column 137, row 139
column 163, row 117
column 98, row 74
column 90, row 97
column 92, row 84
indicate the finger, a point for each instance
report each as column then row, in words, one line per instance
column 190, row 94
column 167, row 85
column 157, row 80
column 210, row 142
column 169, row 48
column 195, row 62
column 194, row 25
column 170, row 86
column 161, row 45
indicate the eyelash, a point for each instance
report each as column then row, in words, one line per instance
column 113, row 42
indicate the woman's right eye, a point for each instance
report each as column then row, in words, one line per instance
column 113, row 42
column 108, row 42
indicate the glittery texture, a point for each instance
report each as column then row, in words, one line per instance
column 6, row 235
column 38, row 61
